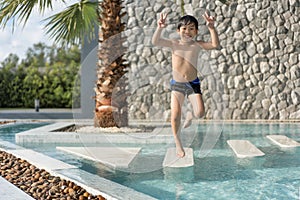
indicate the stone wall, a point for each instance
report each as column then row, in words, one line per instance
column 254, row 75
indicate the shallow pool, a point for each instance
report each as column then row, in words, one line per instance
column 217, row 173
column 8, row 131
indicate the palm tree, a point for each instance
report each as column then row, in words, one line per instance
column 69, row 27
column 111, row 93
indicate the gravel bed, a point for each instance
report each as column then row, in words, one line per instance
column 39, row 183
column 92, row 129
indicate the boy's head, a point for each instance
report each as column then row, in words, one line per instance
column 186, row 20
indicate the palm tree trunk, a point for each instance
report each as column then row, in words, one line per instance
column 111, row 92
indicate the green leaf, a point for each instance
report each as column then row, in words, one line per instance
column 21, row 10
column 72, row 24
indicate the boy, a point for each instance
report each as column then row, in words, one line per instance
column 185, row 53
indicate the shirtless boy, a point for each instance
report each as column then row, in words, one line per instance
column 185, row 82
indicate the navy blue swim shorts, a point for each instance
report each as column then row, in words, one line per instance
column 186, row 88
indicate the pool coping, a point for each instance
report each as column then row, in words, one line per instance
column 10, row 191
column 49, row 134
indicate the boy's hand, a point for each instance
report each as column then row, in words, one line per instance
column 162, row 20
column 210, row 20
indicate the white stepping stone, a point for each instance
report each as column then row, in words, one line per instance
column 172, row 160
column 283, row 141
column 115, row 157
column 244, row 148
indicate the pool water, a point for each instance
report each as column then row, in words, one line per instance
column 221, row 175
column 8, row 131
column 218, row 174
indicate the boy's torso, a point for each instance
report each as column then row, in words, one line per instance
column 184, row 61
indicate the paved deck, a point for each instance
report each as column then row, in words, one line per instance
column 32, row 114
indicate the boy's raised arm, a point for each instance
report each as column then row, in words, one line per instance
column 156, row 38
column 214, row 43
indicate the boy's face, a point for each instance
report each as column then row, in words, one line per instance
column 187, row 32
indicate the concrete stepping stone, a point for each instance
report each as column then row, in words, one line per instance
column 115, row 157
column 283, row 141
column 172, row 160
column 244, row 148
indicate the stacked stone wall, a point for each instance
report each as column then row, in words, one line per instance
column 255, row 74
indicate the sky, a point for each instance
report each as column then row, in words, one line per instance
column 21, row 39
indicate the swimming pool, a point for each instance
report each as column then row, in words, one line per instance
column 217, row 175
column 8, row 131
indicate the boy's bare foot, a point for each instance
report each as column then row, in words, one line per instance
column 188, row 120
column 179, row 149
column 180, row 152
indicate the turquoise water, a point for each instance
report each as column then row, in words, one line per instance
column 221, row 175
column 8, row 131
column 217, row 174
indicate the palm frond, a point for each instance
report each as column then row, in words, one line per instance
column 20, row 10
column 70, row 25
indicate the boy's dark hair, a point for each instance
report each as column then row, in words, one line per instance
column 187, row 19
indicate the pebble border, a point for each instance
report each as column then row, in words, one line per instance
column 39, row 183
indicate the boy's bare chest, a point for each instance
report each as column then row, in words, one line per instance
column 185, row 51
column 185, row 54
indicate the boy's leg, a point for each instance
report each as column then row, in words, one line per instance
column 198, row 109
column 177, row 99
column 188, row 119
